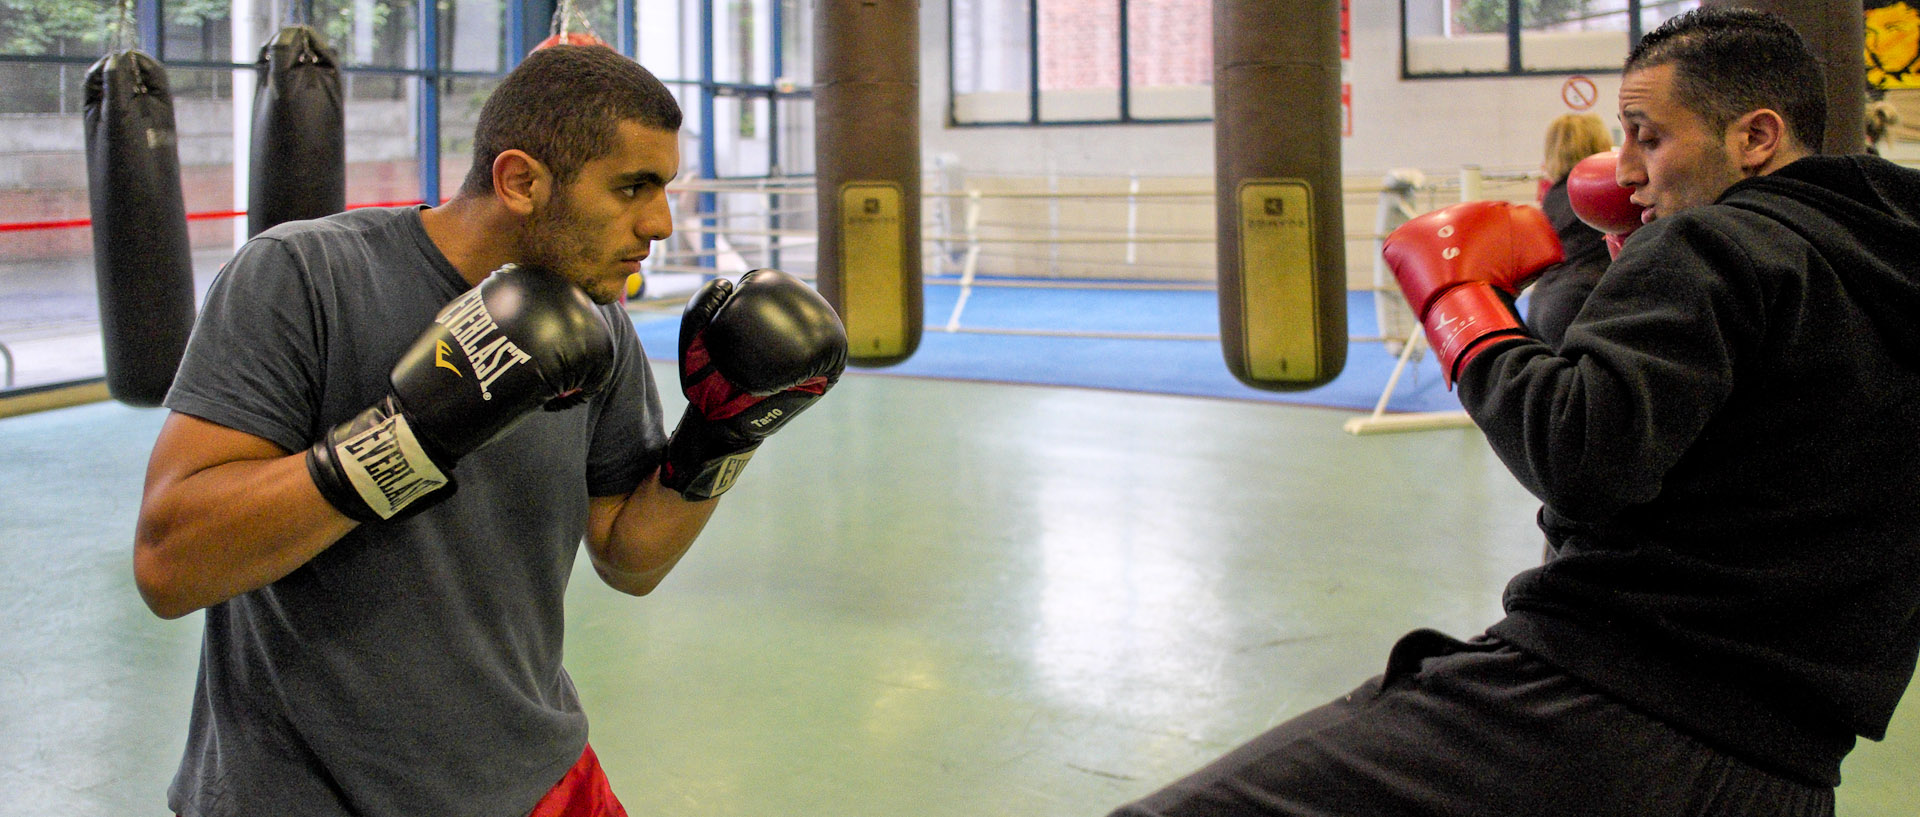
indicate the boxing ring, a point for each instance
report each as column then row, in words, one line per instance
column 987, row 240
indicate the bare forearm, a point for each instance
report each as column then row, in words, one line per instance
column 636, row 540
column 209, row 535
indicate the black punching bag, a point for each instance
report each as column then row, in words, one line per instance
column 299, row 151
column 1281, row 244
column 142, row 261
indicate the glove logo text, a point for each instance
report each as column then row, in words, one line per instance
column 377, row 453
column 489, row 351
column 767, row 418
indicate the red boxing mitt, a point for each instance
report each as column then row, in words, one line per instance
column 1600, row 201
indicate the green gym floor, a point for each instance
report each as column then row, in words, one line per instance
column 925, row 598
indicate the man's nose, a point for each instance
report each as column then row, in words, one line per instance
column 655, row 222
column 1629, row 172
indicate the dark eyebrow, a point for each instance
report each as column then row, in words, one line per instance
column 645, row 177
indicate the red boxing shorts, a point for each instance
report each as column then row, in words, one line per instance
column 582, row 792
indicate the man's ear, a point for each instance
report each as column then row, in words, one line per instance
column 1758, row 137
column 520, row 182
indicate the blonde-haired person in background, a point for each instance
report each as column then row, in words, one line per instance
column 1557, row 296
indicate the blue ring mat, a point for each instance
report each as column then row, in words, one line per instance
column 1170, row 366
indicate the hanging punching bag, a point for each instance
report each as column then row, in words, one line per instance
column 1282, row 254
column 299, row 150
column 866, row 101
column 142, row 261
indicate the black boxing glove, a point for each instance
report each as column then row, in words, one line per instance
column 752, row 357
column 522, row 340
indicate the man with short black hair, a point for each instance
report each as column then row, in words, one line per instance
column 1726, row 444
column 394, row 428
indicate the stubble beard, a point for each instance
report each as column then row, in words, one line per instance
column 551, row 238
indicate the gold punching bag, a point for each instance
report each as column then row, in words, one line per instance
column 866, row 101
column 1282, row 255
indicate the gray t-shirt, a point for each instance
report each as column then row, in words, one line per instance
column 413, row 667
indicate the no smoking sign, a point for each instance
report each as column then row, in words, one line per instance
column 1579, row 93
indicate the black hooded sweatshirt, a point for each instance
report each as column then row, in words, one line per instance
column 1727, row 446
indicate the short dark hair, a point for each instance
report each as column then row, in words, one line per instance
column 563, row 106
column 1730, row 61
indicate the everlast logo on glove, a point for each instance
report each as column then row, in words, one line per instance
column 387, row 466
column 489, row 352
column 461, row 385
column 729, row 470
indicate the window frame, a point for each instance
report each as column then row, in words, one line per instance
column 1514, row 67
column 1125, row 88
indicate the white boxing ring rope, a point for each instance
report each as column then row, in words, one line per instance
column 1470, row 185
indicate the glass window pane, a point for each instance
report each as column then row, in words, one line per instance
column 43, row 87
column 1455, row 36
column 796, row 136
column 742, row 48
column 796, row 45
column 1573, row 35
column 203, row 116
column 662, row 43
column 741, row 140
column 255, row 24
column 367, row 32
column 46, row 261
column 472, row 35
column 1655, row 12
column 992, row 61
column 382, row 139
column 1170, row 59
column 198, row 31
column 1079, row 53
column 460, row 101
column 68, row 28
column 49, row 311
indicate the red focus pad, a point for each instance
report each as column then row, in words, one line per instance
column 1598, row 199
column 1454, row 264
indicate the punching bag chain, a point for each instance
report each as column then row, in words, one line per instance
column 299, row 13
column 125, row 34
column 568, row 18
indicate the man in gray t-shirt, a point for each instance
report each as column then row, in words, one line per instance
column 392, row 430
